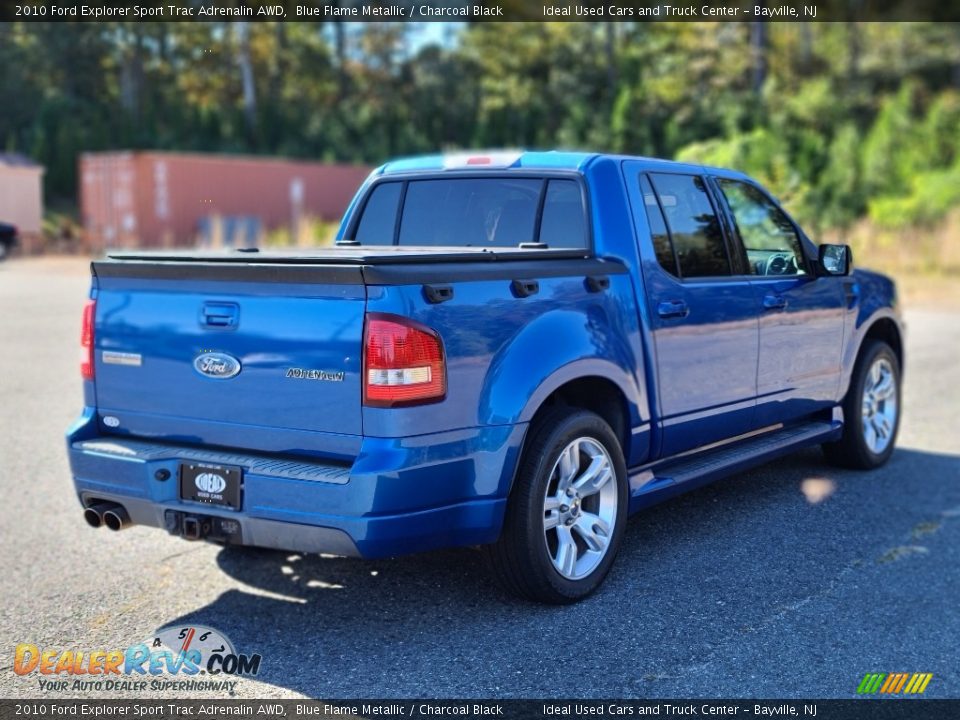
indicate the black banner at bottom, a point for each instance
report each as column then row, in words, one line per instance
column 856, row 709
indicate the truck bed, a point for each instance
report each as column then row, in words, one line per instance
column 303, row 312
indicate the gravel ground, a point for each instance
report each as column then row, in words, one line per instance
column 793, row 580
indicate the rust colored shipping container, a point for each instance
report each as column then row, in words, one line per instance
column 166, row 199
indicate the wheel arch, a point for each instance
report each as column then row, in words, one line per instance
column 886, row 330
column 596, row 393
column 882, row 325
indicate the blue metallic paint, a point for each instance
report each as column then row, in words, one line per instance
column 792, row 384
column 440, row 474
column 313, row 327
column 874, row 300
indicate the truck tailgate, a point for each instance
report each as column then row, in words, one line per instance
column 226, row 355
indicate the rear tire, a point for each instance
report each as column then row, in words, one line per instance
column 871, row 411
column 567, row 511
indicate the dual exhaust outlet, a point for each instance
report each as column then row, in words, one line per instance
column 112, row 515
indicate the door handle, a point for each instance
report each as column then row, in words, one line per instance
column 774, row 302
column 672, row 309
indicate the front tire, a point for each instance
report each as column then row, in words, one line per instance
column 871, row 411
column 567, row 511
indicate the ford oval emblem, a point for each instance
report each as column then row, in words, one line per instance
column 210, row 483
column 217, row 365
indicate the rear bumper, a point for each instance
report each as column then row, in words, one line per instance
column 398, row 496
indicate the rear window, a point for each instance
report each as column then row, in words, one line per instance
column 380, row 215
column 474, row 212
column 563, row 224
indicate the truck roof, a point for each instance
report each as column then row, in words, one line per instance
column 489, row 159
column 530, row 159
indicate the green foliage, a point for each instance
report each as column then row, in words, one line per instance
column 839, row 120
column 939, row 145
column 930, row 197
column 840, row 193
column 890, row 151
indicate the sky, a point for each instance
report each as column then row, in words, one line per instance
column 429, row 33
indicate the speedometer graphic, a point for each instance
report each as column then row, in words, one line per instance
column 181, row 639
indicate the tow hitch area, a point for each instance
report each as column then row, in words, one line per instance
column 203, row 527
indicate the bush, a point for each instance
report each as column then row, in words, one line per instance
column 932, row 196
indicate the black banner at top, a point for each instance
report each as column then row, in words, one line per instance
column 478, row 11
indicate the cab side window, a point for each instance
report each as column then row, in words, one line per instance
column 770, row 239
column 695, row 230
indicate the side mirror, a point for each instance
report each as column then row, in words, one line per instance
column 835, row 259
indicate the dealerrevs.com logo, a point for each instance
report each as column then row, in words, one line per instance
column 183, row 657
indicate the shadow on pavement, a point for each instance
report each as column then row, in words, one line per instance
column 711, row 573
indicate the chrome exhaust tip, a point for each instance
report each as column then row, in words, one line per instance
column 94, row 514
column 116, row 518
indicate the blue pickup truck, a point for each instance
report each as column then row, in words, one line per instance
column 507, row 350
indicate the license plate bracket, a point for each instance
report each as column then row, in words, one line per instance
column 209, row 484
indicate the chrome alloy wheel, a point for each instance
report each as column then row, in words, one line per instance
column 580, row 508
column 879, row 406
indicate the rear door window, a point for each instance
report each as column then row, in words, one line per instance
column 658, row 229
column 694, row 227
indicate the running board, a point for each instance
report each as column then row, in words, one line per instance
column 717, row 462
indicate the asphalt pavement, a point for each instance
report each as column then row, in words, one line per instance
column 793, row 580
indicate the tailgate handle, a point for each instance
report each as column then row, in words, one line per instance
column 219, row 314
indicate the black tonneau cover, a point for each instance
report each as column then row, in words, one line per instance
column 357, row 265
column 359, row 255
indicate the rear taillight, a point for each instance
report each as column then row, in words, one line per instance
column 86, row 340
column 403, row 363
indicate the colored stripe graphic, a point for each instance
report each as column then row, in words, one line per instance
column 910, row 685
column 903, row 680
column 894, row 683
column 918, row 683
column 870, row 683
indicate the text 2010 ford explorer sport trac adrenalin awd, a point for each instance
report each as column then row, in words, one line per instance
column 510, row 350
